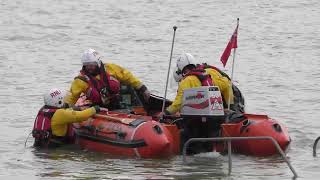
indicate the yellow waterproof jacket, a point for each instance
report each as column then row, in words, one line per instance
column 62, row 117
column 192, row 81
column 186, row 83
column 79, row 86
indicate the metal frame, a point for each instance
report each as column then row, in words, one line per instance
column 315, row 147
column 229, row 139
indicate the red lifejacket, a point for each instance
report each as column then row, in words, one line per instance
column 42, row 125
column 206, row 66
column 107, row 82
column 204, row 78
column 42, row 132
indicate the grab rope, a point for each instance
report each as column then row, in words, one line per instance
column 315, row 147
column 25, row 143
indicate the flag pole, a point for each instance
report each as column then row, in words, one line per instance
column 232, row 71
column 234, row 56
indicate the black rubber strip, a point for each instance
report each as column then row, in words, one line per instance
column 105, row 140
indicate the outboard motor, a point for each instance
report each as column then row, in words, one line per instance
column 202, row 112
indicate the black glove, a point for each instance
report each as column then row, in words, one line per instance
column 143, row 90
column 97, row 108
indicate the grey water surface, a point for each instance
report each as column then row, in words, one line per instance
column 277, row 68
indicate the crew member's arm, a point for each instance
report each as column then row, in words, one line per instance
column 176, row 104
column 63, row 117
column 189, row 82
column 126, row 77
column 123, row 75
column 77, row 87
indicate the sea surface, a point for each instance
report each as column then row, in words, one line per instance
column 277, row 67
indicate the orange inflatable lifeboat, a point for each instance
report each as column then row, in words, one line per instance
column 133, row 131
column 141, row 136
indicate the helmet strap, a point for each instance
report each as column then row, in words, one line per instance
column 186, row 70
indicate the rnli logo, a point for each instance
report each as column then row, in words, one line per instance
column 216, row 103
column 55, row 93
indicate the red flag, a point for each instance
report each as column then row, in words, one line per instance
column 232, row 44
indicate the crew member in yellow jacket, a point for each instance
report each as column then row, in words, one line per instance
column 51, row 124
column 100, row 82
column 186, row 79
column 191, row 76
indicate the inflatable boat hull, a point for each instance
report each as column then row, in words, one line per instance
column 141, row 136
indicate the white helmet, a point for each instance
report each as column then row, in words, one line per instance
column 54, row 98
column 90, row 56
column 183, row 61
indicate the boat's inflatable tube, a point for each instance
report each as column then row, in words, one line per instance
column 128, row 135
column 252, row 126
